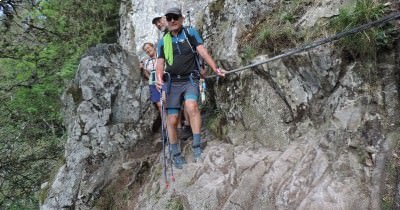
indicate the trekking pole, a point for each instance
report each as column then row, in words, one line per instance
column 169, row 145
column 335, row 37
column 140, row 95
column 164, row 135
column 171, row 167
column 188, row 15
column 165, row 138
column 164, row 88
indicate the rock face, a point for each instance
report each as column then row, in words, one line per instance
column 310, row 131
column 103, row 122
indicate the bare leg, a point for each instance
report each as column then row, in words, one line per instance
column 172, row 123
column 193, row 111
column 158, row 104
column 179, row 123
column 186, row 115
column 184, row 131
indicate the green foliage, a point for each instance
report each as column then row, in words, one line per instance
column 40, row 51
column 392, row 171
column 216, row 123
column 216, row 7
column 175, row 204
column 248, row 53
column 387, row 203
column 289, row 10
column 264, row 34
column 287, row 17
column 366, row 43
column 43, row 194
column 276, row 32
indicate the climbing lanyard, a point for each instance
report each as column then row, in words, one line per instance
column 140, row 95
column 202, row 86
column 319, row 42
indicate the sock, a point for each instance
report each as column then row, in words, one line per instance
column 175, row 149
column 196, row 139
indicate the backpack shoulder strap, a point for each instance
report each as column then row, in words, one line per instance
column 191, row 41
column 190, row 38
column 146, row 64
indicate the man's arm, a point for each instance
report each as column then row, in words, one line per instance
column 159, row 72
column 206, row 56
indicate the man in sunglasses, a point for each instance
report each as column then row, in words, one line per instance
column 184, row 131
column 175, row 50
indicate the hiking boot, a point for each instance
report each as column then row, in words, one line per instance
column 196, row 152
column 184, row 133
column 178, row 161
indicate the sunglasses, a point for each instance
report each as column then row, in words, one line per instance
column 170, row 17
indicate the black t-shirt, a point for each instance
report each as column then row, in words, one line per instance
column 184, row 61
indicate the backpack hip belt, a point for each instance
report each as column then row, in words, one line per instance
column 194, row 75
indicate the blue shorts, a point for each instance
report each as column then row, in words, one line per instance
column 179, row 92
column 154, row 94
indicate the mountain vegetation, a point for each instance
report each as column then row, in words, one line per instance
column 280, row 31
column 41, row 44
column 43, row 40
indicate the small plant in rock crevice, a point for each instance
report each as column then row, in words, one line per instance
column 276, row 32
column 392, row 173
column 216, row 7
column 367, row 43
column 174, row 204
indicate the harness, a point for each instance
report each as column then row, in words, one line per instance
column 195, row 74
column 152, row 73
